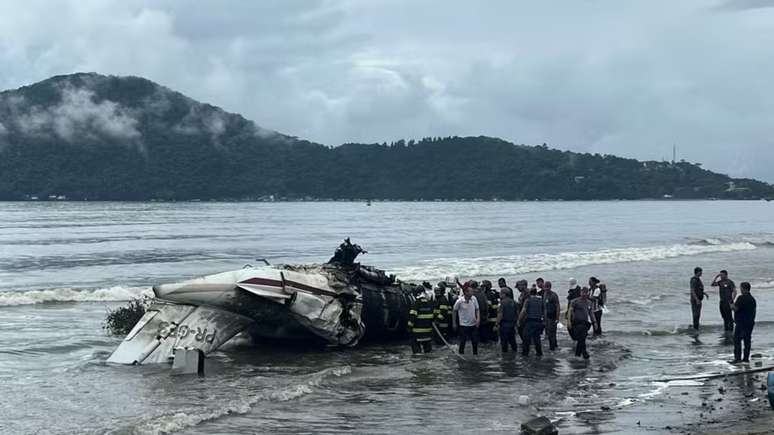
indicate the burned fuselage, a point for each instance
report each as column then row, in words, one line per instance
column 340, row 303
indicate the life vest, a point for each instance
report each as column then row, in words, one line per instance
column 534, row 308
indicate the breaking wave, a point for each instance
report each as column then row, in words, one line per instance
column 754, row 239
column 182, row 420
column 757, row 285
column 520, row 264
column 11, row 298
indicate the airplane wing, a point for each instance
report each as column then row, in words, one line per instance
column 165, row 327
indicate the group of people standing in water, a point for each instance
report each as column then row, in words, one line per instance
column 737, row 311
column 478, row 312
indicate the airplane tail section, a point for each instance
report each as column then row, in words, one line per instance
column 166, row 327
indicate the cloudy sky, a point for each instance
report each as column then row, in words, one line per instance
column 630, row 78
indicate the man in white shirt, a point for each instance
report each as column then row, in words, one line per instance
column 466, row 310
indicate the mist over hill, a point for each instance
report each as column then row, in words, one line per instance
column 95, row 137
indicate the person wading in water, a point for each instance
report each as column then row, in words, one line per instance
column 581, row 318
column 727, row 293
column 697, row 294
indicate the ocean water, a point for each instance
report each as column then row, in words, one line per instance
column 62, row 265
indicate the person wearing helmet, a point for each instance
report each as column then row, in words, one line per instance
column 581, row 318
column 493, row 302
column 421, row 322
column 442, row 312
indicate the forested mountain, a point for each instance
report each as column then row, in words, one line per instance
column 88, row 136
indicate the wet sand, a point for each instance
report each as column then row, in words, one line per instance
column 729, row 405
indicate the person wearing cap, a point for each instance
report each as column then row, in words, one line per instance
column 572, row 294
column 532, row 318
column 697, row 295
column 581, row 317
column 421, row 322
column 443, row 316
column 466, row 313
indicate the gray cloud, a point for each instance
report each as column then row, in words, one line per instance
column 740, row 5
column 626, row 78
column 76, row 117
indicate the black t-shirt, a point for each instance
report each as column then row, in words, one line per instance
column 745, row 310
column 483, row 304
column 726, row 289
column 698, row 287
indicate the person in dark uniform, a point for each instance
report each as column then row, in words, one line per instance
column 572, row 294
column 493, row 299
column 539, row 283
column 697, row 295
column 744, row 308
column 421, row 322
column 503, row 285
column 727, row 293
column 552, row 310
column 531, row 316
column 507, row 317
column 483, row 307
column 442, row 312
column 581, row 318
column 522, row 293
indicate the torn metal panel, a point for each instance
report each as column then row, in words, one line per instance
column 339, row 303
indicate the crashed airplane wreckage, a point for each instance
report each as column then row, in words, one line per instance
column 338, row 303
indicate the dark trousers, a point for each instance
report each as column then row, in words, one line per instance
column 579, row 331
column 484, row 332
column 424, row 344
column 493, row 335
column 696, row 311
column 551, row 334
column 508, row 337
column 598, row 318
column 532, row 331
column 469, row 333
column 725, row 312
column 742, row 334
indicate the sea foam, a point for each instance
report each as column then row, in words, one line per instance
column 520, row 264
column 118, row 293
column 240, row 405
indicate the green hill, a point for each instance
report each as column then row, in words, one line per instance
column 88, row 136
